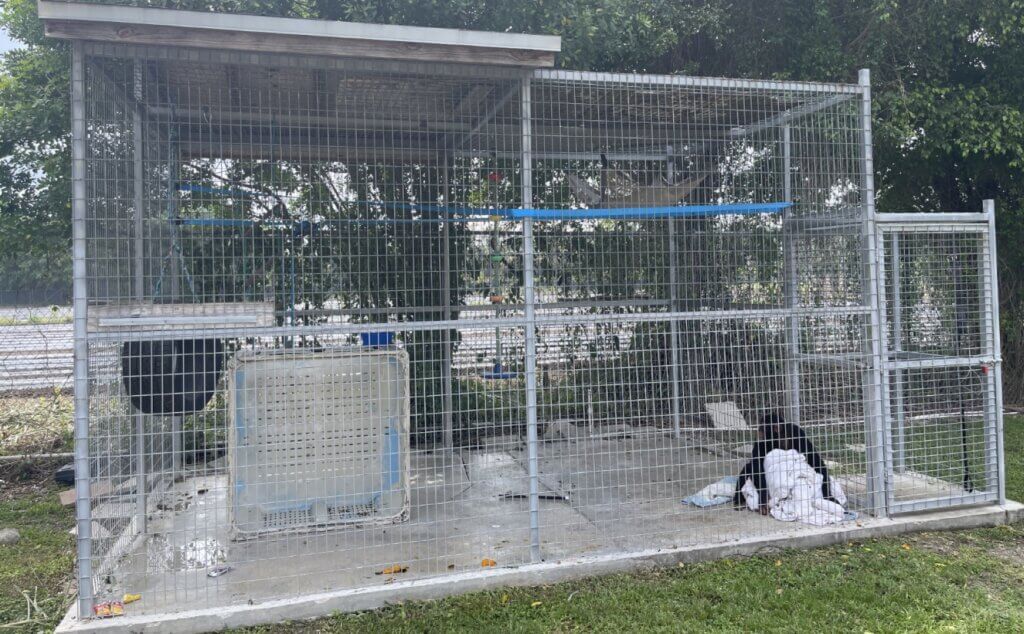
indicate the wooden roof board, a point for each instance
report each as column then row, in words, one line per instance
column 197, row 29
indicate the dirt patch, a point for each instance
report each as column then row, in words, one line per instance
column 1008, row 548
column 945, row 544
column 1012, row 552
column 27, row 477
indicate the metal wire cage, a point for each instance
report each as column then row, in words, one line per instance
column 513, row 317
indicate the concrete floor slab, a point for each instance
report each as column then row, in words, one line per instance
column 614, row 504
column 320, row 604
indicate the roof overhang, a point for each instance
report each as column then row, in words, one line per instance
column 225, row 31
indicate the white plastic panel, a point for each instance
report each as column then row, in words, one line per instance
column 318, row 439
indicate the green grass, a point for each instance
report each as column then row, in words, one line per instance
column 41, row 563
column 968, row 581
column 1013, row 450
column 35, row 320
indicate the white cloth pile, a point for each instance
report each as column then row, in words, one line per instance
column 794, row 491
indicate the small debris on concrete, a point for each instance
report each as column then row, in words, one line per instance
column 9, row 536
column 108, row 609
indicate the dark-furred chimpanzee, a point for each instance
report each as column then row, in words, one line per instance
column 775, row 433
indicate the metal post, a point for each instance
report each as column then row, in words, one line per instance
column 530, row 321
column 177, row 260
column 176, row 462
column 673, row 291
column 898, row 449
column 172, row 209
column 875, row 389
column 138, row 194
column 140, row 281
column 448, row 432
column 882, row 309
column 83, row 503
column 996, row 375
column 791, row 280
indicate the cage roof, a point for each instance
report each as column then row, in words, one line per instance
column 198, row 29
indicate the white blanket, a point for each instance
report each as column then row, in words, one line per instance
column 794, row 491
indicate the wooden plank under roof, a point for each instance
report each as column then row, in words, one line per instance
column 224, row 31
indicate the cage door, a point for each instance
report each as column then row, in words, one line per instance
column 942, row 398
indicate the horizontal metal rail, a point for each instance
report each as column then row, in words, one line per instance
column 633, row 79
column 940, row 362
column 479, row 214
column 471, row 324
column 929, row 218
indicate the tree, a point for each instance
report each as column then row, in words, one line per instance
column 948, row 87
column 35, row 209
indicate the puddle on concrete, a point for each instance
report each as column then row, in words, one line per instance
column 196, row 554
column 176, row 502
column 202, row 553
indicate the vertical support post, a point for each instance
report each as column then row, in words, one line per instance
column 994, row 341
column 176, row 462
column 83, row 503
column 874, row 386
column 895, row 262
column 137, row 184
column 138, row 197
column 448, row 431
column 172, row 208
column 673, row 292
column 791, row 290
column 529, row 294
column 177, row 259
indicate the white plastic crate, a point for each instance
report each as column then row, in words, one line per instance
column 318, row 439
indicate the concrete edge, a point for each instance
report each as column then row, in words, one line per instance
column 323, row 604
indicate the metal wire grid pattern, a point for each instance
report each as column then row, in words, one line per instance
column 941, row 368
column 252, row 204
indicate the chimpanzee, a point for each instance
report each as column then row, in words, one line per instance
column 775, row 433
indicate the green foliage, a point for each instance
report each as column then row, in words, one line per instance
column 35, row 227
column 948, row 80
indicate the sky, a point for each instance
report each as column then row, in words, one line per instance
column 5, row 42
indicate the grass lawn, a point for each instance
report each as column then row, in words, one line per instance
column 967, row 581
column 41, row 563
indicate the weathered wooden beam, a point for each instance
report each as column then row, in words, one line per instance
column 152, row 35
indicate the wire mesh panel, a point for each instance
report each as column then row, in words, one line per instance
column 614, row 302
column 610, row 454
column 941, row 363
column 313, row 213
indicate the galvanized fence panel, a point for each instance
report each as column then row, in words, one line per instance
column 941, row 360
column 594, row 287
